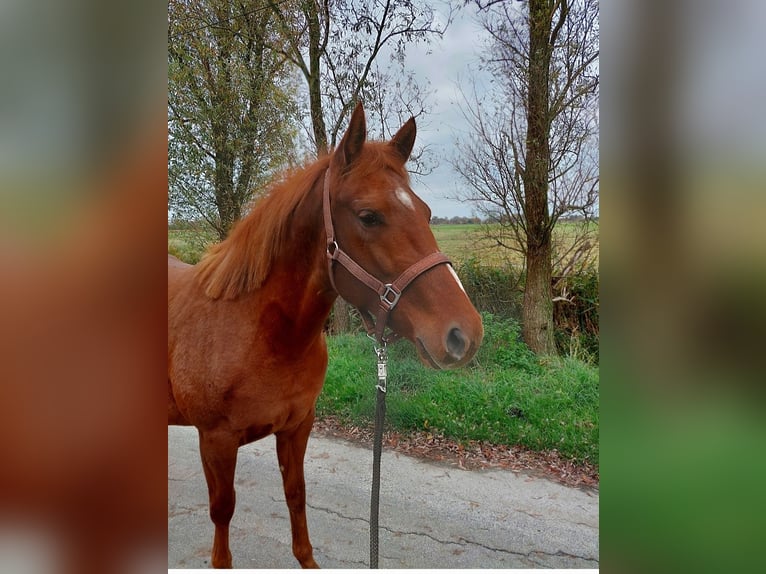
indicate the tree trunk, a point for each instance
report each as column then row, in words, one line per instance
column 340, row 320
column 228, row 209
column 537, row 310
column 314, row 78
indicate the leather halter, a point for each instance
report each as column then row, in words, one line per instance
column 388, row 293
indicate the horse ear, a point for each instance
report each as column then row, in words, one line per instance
column 405, row 139
column 352, row 141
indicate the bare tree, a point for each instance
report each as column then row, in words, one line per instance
column 231, row 110
column 340, row 48
column 532, row 156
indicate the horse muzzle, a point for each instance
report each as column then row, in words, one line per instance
column 455, row 348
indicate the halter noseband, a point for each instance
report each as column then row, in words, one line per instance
column 388, row 293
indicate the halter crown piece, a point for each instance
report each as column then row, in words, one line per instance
column 388, row 293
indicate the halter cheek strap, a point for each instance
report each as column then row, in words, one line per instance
column 388, row 293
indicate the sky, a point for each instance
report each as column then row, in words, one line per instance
column 445, row 63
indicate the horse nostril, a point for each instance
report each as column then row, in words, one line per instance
column 456, row 343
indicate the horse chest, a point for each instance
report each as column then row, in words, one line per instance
column 274, row 393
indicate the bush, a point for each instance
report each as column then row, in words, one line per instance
column 188, row 245
column 577, row 318
column 496, row 290
column 500, row 292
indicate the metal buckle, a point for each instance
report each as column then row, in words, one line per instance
column 390, row 291
column 332, row 248
column 382, row 354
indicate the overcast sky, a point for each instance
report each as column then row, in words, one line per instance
column 451, row 60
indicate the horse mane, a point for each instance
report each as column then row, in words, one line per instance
column 241, row 262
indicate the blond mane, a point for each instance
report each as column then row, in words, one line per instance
column 241, row 262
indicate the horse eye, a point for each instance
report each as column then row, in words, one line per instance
column 370, row 218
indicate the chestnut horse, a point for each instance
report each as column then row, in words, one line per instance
column 246, row 350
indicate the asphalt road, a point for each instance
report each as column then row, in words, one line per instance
column 431, row 515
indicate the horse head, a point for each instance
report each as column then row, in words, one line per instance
column 383, row 226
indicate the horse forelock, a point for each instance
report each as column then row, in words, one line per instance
column 242, row 262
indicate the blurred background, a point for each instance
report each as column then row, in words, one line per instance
column 683, row 154
column 83, row 189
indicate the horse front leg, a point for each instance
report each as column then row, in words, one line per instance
column 219, row 460
column 291, row 449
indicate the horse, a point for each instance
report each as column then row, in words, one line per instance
column 246, row 347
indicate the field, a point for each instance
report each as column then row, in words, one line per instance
column 470, row 241
column 461, row 243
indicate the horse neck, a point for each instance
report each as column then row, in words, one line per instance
column 297, row 290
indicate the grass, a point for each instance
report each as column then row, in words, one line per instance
column 505, row 396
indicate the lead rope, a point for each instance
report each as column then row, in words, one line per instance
column 388, row 294
column 377, row 447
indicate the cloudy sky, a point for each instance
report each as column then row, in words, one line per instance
column 446, row 64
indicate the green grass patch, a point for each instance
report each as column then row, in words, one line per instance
column 506, row 395
column 190, row 244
